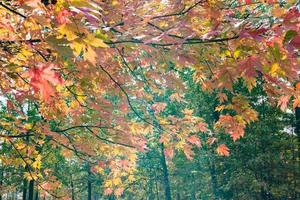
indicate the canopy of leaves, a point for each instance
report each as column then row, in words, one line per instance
column 94, row 86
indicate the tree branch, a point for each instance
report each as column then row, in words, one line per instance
column 182, row 12
column 12, row 10
column 109, row 141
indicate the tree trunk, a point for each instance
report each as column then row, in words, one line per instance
column 31, row 190
column 297, row 125
column 1, row 180
column 72, row 188
column 36, row 195
column 89, row 184
column 194, row 188
column 24, row 189
column 166, row 181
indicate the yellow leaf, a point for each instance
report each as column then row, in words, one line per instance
column 77, row 47
column 27, row 176
column 95, row 42
column 236, row 53
column 28, row 126
column 37, row 163
column 108, row 183
column 117, row 181
column 220, row 108
column 90, row 55
column 227, row 53
column 68, row 31
column 131, row 178
column 274, row 69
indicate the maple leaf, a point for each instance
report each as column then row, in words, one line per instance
column 283, row 102
column 158, row 107
column 176, row 97
column 169, row 152
column 255, row 34
column 62, row 16
column 187, row 150
column 42, row 78
column 222, row 97
column 108, row 191
column 201, row 126
column 237, row 133
column 223, row 150
column 119, row 191
column 296, row 102
column 194, row 140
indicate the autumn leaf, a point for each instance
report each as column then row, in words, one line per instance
column 95, row 42
column 201, row 126
column 194, row 140
column 108, row 191
column 169, row 152
column 43, row 78
column 296, row 102
column 237, row 133
column 119, row 191
column 188, row 152
column 223, row 150
column 283, row 102
column 176, row 97
column 62, row 16
column 158, row 107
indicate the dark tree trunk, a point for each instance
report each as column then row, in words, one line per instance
column 89, row 184
column 1, row 180
column 297, row 125
column 156, row 187
column 36, row 197
column 24, row 189
column 194, row 188
column 72, row 188
column 166, row 181
column 31, row 190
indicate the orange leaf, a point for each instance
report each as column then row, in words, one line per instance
column 283, row 102
column 194, row 140
column 223, row 150
column 187, row 150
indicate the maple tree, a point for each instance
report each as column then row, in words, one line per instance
column 97, row 80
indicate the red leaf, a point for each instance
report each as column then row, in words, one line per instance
column 248, row 2
column 62, row 16
column 42, row 79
